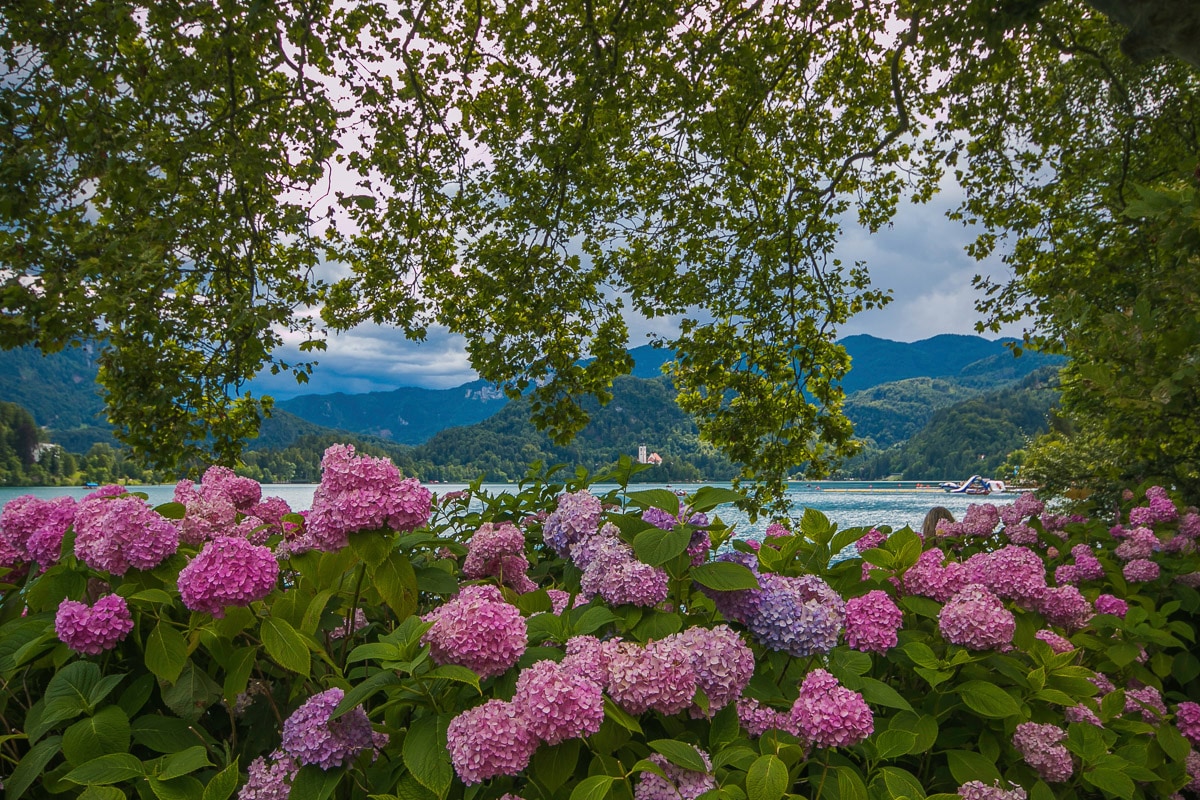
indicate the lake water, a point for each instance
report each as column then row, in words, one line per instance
column 847, row 503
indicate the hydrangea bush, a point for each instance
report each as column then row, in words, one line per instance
column 556, row 644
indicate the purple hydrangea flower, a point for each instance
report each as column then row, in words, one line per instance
column 92, row 630
column 1146, row 701
column 757, row 719
column 979, row 522
column 577, row 516
column 1138, row 543
column 311, row 737
column 742, row 604
column 1065, row 607
column 1107, row 604
column 489, row 740
column 1082, row 713
column 872, row 622
column 122, row 532
column 976, row 619
column 361, row 493
column 722, row 662
column 227, row 572
column 1039, row 745
column 270, row 777
column 800, row 615
column 976, row 790
column 1057, row 643
column 559, row 703
column 614, row 573
column 1187, row 720
column 478, row 630
column 829, row 714
column 1140, row 570
column 680, row 783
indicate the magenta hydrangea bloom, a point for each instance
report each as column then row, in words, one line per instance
column 929, row 578
column 1087, row 566
column 680, row 783
column 1138, row 543
column 757, row 719
column 361, row 493
column 799, row 615
column 1011, row 573
column 829, row 714
column 227, row 572
column 1057, row 643
column 478, row 630
column 590, row 657
column 1024, row 507
column 614, row 573
column 1107, row 604
column 499, row 551
column 777, row 530
column 120, row 533
column 311, row 737
column 872, row 622
column 872, row 538
column 1140, row 570
column 31, row 529
column 489, row 740
column 1082, row 713
column 1022, row 534
column 206, row 518
column 658, row 676
column 92, row 630
column 1039, row 745
column 1187, row 720
column 559, row 703
column 1065, row 607
column 558, row 600
column 244, row 493
column 976, row 619
column 978, row 522
column 977, row 790
column 577, row 516
column 722, row 662
column 270, row 777
column 1146, row 701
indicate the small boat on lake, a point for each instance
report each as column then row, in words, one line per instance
column 976, row 484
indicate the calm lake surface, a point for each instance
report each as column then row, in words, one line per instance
column 847, row 503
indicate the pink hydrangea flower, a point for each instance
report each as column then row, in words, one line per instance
column 270, row 777
column 757, row 719
column 1024, row 507
column 311, row 737
column 1082, row 713
column 1057, row 643
column 722, row 662
column 776, row 530
column 1107, row 604
column 31, row 529
column 1139, row 543
column 558, row 600
column 976, row 619
column 929, row 578
column 227, row 572
column 1039, row 745
column 120, row 533
column 1065, row 607
column 658, row 676
column 829, row 714
column 558, row 703
column 361, row 493
column 977, row 790
column 499, row 551
column 872, row 622
column 92, row 630
column 576, row 516
column 478, row 630
column 489, row 740
column 1140, row 570
column 1187, row 720
column 680, row 783
column 590, row 657
column 1146, row 701
column 1011, row 573
column 872, row 538
column 615, row 574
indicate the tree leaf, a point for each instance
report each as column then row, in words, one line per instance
column 183, row 763
column 967, row 765
column 223, row 784
column 553, row 766
column 594, row 788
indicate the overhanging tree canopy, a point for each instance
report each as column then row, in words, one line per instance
column 173, row 176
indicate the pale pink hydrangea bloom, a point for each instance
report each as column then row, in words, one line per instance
column 680, row 783
column 872, row 622
column 311, row 737
column 976, row 619
column 558, row 703
column 120, row 533
column 1082, row 713
column 228, row 572
column 478, row 630
column 498, row 550
column 92, row 630
column 489, row 740
column 758, row 719
column 656, row 677
column 722, row 662
column 829, row 714
column 1039, row 745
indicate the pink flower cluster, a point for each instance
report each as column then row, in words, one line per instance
column 558, row 702
column 872, row 622
column 1141, row 570
column 227, row 572
column 270, row 777
column 611, row 570
column 478, row 630
column 1057, row 643
column 830, row 715
column 489, row 740
column 1011, row 573
column 722, row 662
column 1107, row 604
column 757, row 719
column 977, row 790
column 657, row 676
column 213, row 507
column 1086, row 567
column 979, row 522
column 31, row 529
column 92, row 630
column 1065, row 607
column 361, row 493
column 932, row 577
column 801, row 615
column 499, row 551
column 1145, row 701
column 1158, row 508
column 1187, row 720
column 576, row 517
column 976, row 619
column 311, row 737
column 679, row 783
column 116, row 533
column 1023, row 508
column 1039, row 745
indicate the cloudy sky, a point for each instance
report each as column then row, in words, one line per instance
column 921, row 258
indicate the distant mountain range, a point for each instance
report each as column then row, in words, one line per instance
column 894, row 390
